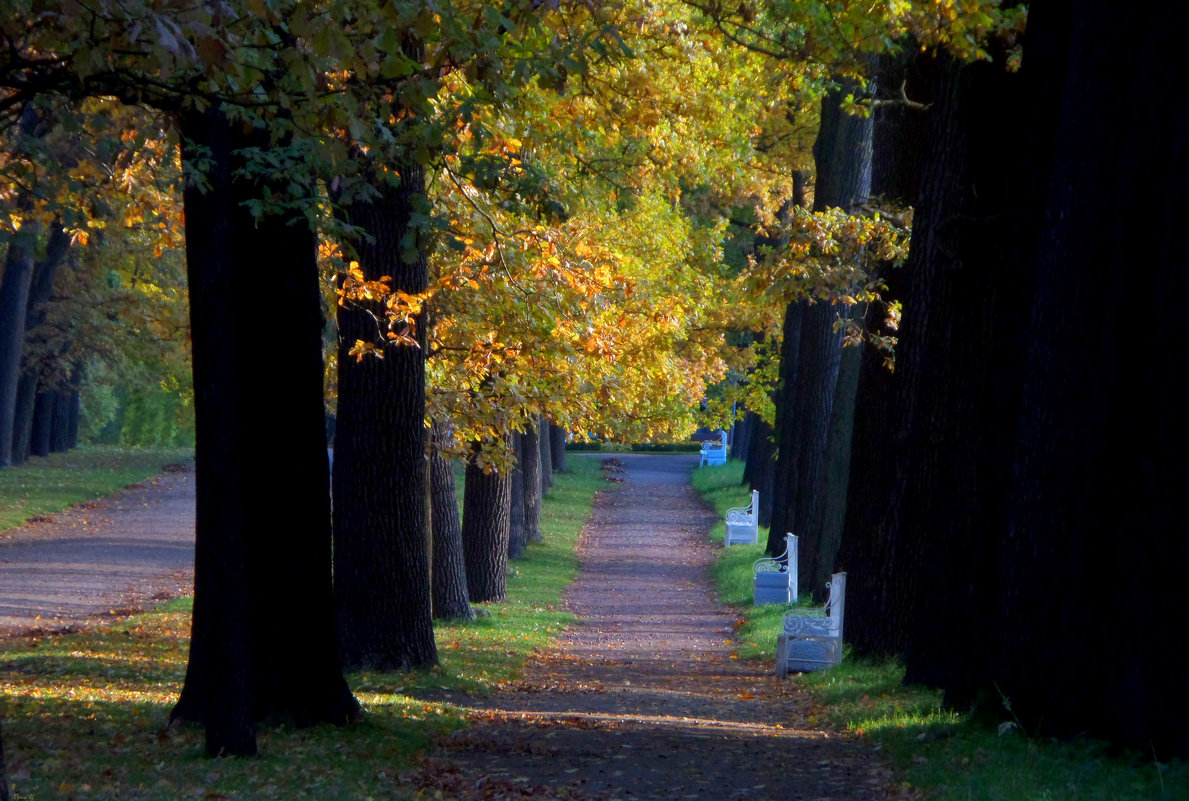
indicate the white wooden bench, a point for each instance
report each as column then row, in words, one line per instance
column 743, row 522
column 776, row 577
column 714, row 451
column 812, row 639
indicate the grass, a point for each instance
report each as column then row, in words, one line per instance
column 84, row 714
column 47, row 485
column 936, row 754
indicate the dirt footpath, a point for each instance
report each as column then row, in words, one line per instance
column 643, row 699
column 100, row 560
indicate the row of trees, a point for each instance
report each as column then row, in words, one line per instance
column 526, row 211
column 1002, row 498
column 487, row 223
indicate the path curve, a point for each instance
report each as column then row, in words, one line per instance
column 642, row 698
column 94, row 561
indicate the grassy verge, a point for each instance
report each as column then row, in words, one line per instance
column 937, row 755
column 84, row 714
column 44, row 486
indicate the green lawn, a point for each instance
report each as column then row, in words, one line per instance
column 937, row 755
column 47, row 485
column 84, row 714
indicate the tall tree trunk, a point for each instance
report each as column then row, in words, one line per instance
column 843, row 157
column 40, row 288
column 830, row 508
column 262, row 643
column 42, row 426
column 1099, row 477
column 876, row 625
column 557, row 447
column 14, row 296
column 546, row 454
column 530, row 463
column 485, row 507
column 381, row 514
column 64, row 401
column 450, row 601
column 217, row 689
column 517, row 534
column 783, row 490
column 761, row 466
column 966, row 293
column 14, row 303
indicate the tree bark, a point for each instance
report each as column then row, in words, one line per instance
column 546, row 456
column 557, row 447
column 217, row 689
column 262, row 643
column 381, row 512
column 42, row 426
column 1099, row 479
column 843, row 159
column 450, row 600
column 783, row 490
column 14, row 303
column 530, row 463
column 14, row 298
column 485, row 507
column 40, row 289
column 517, row 534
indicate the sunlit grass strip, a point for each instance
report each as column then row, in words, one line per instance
column 937, row 754
column 49, row 485
column 84, row 715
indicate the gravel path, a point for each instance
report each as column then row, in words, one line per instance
column 644, row 699
column 96, row 561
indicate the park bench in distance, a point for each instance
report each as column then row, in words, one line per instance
column 743, row 522
column 776, row 577
column 809, row 640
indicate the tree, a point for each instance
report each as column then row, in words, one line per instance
column 381, row 513
column 263, row 545
column 485, row 508
column 450, row 597
column 530, row 464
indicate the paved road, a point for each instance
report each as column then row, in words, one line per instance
column 644, row 698
column 124, row 552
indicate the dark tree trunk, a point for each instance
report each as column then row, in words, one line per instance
column 381, row 514
column 517, row 534
column 262, row 642
column 783, row 491
column 217, row 690
column 830, row 508
column 40, row 289
column 546, row 456
column 22, row 433
column 530, row 463
column 557, row 447
column 485, row 506
column 821, row 353
column 42, row 425
column 14, row 303
column 1099, row 475
column 741, row 440
column 963, row 338
column 876, row 625
column 843, row 156
column 761, row 466
column 450, row 600
column 18, row 272
column 64, row 404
